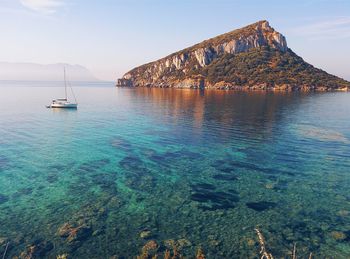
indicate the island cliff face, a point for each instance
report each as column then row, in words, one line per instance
column 254, row 57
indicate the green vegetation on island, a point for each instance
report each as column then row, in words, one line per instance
column 270, row 67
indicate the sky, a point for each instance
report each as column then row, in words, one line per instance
column 110, row 37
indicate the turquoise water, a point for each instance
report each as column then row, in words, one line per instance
column 184, row 167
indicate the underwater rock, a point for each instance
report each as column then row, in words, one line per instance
column 150, row 247
column 121, row 143
column 170, row 156
column 93, row 166
column 98, row 232
column 321, row 134
column 318, row 215
column 214, row 243
column 251, row 242
column 40, row 187
column 225, row 177
column 305, row 231
column 200, row 186
column 188, row 154
column 177, row 245
column 147, row 152
column 64, row 230
column 214, row 206
column 106, row 181
column 230, row 166
column 338, row 235
column 80, row 233
column 22, row 191
column 3, row 198
column 214, row 200
column 214, row 197
column 158, row 158
column 114, row 202
column 74, row 234
column 169, row 243
column 261, row 205
column 277, row 186
column 347, row 233
column 91, row 213
column 62, row 167
column 143, row 182
column 226, row 169
column 19, row 239
column 37, row 250
column 233, row 191
column 145, row 234
column 223, row 166
column 270, row 185
column 200, row 254
column 182, row 243
column 281, row 185
column 131, row 163
column 52, row 177
column 200, row 197
column 343, row 213
column 80, row 186
column 3, row 241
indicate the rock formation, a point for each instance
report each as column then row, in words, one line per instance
column 253, row 57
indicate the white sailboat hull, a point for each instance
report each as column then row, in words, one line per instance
column 62, row 103
column 65, row 105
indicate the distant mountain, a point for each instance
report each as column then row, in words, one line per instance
column 253, row 57
column 38, row 72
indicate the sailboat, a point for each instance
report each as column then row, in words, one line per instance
column 63, row 102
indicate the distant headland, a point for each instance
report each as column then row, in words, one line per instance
column 255, row 57
column 40, row 72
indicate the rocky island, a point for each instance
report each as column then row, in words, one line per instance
column 255, row 57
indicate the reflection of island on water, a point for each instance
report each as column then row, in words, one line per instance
column 249, row 113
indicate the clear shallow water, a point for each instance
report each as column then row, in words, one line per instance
column 204, row 168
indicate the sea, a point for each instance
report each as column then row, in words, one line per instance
column 144, row 171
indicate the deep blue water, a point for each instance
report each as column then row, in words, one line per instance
column 181, row 167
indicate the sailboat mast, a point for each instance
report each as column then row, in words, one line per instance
column 65, row 82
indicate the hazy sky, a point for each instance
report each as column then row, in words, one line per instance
column 109, row 37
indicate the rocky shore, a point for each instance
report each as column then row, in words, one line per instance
column 196, row 84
